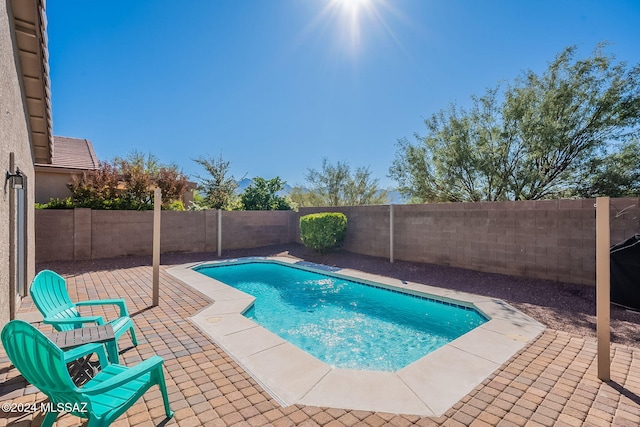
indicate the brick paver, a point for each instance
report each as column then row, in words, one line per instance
column 551, row 382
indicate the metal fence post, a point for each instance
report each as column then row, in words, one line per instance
column 157, row 203
column 603, row 296
column 219, row 233
column 391, row 234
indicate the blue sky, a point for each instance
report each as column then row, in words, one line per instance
column 276, row 85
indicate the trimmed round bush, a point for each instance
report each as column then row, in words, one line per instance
column 323, row 231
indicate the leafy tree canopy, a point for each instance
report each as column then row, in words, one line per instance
column 217, row 188
column 127, row 183
column 531, row 140
column 263, row 195
column 614, row 175
column 337, row 185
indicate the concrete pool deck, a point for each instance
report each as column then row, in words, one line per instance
column 427, row 387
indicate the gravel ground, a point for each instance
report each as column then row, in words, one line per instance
column 561, row 306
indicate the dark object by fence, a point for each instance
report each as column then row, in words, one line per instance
column 625, row 273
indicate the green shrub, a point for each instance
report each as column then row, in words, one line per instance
column 323, row 231
column 175, row 205
column 56, row 204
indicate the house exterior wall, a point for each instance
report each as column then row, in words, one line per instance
column 14, row 138
column 52, row 183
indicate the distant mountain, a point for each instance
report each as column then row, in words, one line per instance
column 394, row 196
column 244, row 183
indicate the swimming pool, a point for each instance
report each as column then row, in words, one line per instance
column 342, row 322
column 429, row 386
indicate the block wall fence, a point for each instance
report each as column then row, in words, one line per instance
column 549, row 239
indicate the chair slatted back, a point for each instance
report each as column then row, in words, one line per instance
column 38, row 359
column 49, row 294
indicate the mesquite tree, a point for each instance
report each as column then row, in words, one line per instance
column 531, row 140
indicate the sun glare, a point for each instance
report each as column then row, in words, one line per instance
column 352, row 22
column 352, row 4
column 352, row 14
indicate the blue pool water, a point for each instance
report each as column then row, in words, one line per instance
column 344, row 323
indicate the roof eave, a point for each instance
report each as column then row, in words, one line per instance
column 29, row 26
column 46, row 167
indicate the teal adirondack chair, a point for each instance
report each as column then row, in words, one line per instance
column 49, row 293
column 102, row 399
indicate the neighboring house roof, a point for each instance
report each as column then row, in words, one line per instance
column 30, row 28
column 72, row 153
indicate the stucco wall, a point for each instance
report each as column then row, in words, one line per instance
column 14, row 138
column 52, row 184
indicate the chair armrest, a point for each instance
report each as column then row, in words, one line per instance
column 85, row 319
column 86, row 349
column 142, row 368
column 116, row 301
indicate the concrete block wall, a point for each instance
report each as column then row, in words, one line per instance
column 367, row 228
column 186, row 231
column 251, row 229
column 82, row 231
column 54, row 230
column 120, row 233
column 543, row 239
column 549, row 239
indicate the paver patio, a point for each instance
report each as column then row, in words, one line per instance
column 552, row 382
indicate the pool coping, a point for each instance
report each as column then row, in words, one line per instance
column 426, row 387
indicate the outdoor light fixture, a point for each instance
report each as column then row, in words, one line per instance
column 16, row 180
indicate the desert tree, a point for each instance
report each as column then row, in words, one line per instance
column 614, row 175
column 217, row 188
column 263, row 194
column 529, row 140
column 337, row 185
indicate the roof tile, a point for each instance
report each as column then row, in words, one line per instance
column 73, row 153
